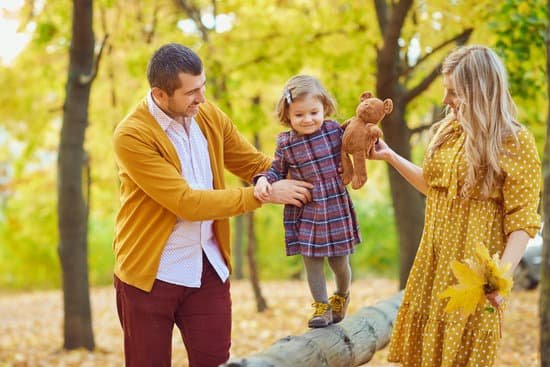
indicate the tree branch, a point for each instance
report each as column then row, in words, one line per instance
column 149, row 29
column 84, row 79
column 194, row 13
column 314, row 37
column 381, row 14
column 421, row 128
column 459, row 39
column 389, row 53
column 423, row 85
column 393, row 28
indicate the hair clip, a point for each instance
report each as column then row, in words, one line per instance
column 288, row 96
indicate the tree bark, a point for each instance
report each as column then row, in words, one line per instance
column 545, row 264
column 351, row 342
column 72, row 207
column 261, row 304
column 237, row 248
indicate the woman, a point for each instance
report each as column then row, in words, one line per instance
column 481, row 178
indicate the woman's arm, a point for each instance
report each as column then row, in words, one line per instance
column 410, row 171
column 513, row 252
column 515, row 248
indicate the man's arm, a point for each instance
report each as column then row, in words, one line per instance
column 153, row 174
column 244, row 160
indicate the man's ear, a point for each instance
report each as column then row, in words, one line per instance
column 388, row 106
column 365, row 95
column 159, row 95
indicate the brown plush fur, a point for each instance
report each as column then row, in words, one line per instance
column 360, row 135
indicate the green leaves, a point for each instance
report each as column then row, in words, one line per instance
column 520, row 29
column 45, row 32
column 246, row 65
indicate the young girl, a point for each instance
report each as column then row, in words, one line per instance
column 326, row 226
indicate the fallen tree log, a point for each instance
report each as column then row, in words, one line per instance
column 349, row 343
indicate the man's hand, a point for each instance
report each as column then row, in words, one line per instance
column 291, row 192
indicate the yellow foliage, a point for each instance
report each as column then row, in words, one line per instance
column 476, row 277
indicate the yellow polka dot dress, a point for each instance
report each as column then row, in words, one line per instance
column 424, row 335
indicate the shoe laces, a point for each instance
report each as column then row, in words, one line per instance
column 337, row 302
column 320, row 308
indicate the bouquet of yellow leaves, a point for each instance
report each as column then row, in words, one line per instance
column 476, row 278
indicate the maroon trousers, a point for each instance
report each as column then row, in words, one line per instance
column 203, row 316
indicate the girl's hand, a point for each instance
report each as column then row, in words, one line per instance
column 495, row 299
column 380, row 151
column 262, row 190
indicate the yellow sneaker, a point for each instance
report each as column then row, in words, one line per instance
column 322, row 315
column 339, row 304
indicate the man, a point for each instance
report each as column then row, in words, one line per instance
column 172, row 230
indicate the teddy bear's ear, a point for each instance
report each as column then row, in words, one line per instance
column 366, row 95
column 388, row 106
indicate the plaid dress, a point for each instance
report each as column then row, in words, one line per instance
column 327, row 225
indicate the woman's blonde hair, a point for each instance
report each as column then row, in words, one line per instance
column 485, row 110
column 298, row 87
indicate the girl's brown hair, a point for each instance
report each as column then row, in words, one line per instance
column 299, row 86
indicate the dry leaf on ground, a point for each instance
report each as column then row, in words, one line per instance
column 31, row 325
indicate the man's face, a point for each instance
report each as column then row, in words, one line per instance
column 185, row 100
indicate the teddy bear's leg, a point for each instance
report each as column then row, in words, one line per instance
column 360, row 170
column 347, row 168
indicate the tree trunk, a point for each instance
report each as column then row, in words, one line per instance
column 408, row 203
column 392, row 65
column 349, row 343
column 261, row 304
column 237, row 248
column 545, row 264
column 72, row 208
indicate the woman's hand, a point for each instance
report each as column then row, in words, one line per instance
column 410, row 171
column 381, row 151
column 495, row 299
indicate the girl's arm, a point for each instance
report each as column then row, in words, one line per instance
column 410, row 171
column 262, row 189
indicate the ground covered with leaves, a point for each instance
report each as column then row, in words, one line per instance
column 31, row 325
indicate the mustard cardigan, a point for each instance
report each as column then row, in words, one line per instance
column 153, row 192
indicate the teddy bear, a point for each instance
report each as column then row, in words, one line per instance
column 360, row 134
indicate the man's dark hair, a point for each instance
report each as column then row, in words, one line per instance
column 168, row 62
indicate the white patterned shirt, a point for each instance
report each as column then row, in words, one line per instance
column 181, row 259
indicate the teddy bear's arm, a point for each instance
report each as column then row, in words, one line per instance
column 345, row 124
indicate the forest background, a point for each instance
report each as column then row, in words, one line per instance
column 56, row 139
column 250, row 48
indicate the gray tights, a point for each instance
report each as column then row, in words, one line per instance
column 316, row 275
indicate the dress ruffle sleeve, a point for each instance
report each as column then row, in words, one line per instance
column 522, row 185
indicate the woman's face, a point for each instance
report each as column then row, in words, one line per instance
column 450, row 98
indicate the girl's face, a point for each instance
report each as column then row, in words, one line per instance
column 306, row 114
column 450, row 98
